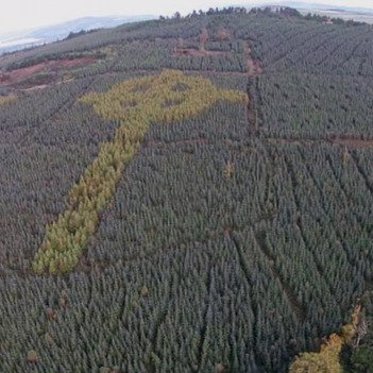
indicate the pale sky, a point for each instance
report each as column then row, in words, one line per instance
column 26, row 14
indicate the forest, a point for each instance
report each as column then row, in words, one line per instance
column 189, row 195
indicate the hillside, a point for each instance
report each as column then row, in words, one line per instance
column 186, row 195
column 30, row 38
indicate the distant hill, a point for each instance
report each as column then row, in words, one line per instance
column 355, row 13
column 317, row 6
column 20, row 40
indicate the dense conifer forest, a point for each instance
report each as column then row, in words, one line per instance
column 192, row 194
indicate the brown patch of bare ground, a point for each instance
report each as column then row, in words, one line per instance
column 19, row 75
column 354, row 143
column 254, row 67
column 347, row 141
